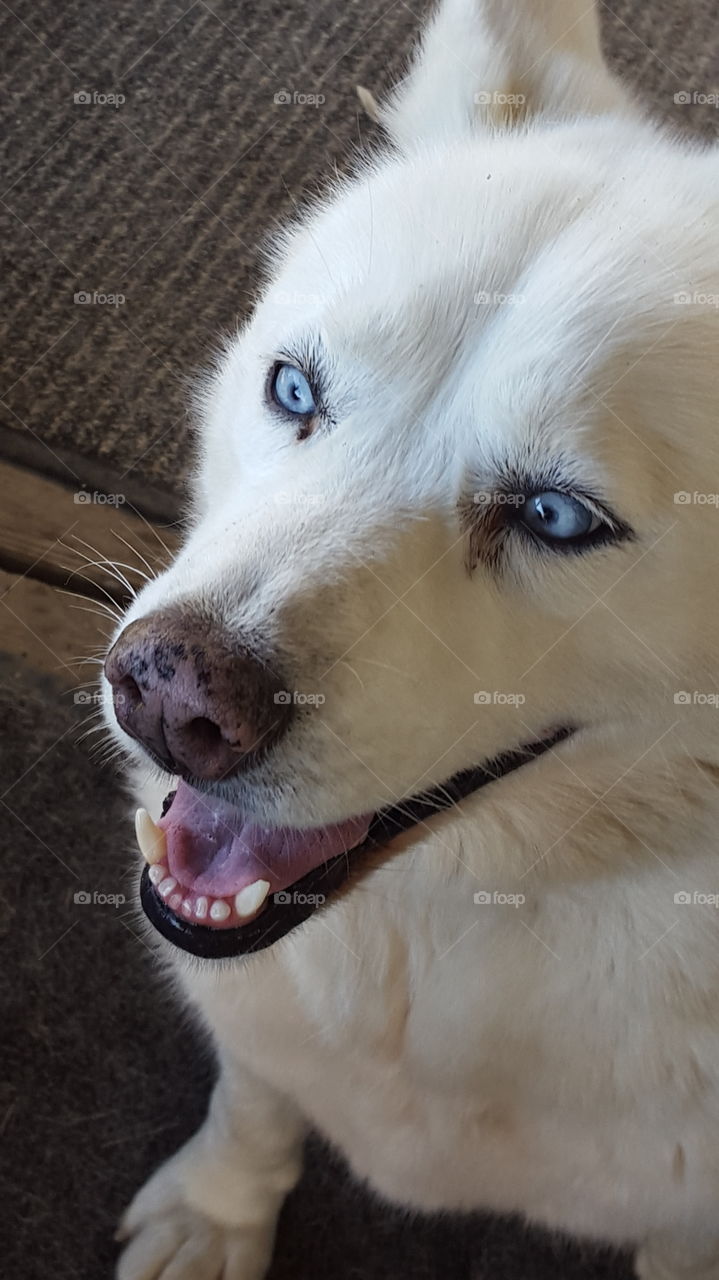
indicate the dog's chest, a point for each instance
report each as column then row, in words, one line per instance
column 466, row 1070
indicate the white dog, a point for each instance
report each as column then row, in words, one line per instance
column 453, row 525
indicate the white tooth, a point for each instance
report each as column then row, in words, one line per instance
column 175, row 901
column 219, row 910
column 157, row 873
column 150, row 837
column 250, row 899
column 201, row 908
column 187, row 907
column 167, row 886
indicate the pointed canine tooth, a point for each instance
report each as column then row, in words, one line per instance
column 167, row 886
column 157, row 873
column 250, row 899
column 219, row 910
column 201, row 908
column 150, row 837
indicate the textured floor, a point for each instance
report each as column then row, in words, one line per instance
column 103, row 1076
column 165, row 198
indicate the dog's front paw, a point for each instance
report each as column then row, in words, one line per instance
column 187, row 1246
column 167, row 1239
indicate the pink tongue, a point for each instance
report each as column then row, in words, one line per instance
column 213, row 850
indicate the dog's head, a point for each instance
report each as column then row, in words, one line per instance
column 449, row 496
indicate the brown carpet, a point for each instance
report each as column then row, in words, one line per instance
column 103, row 1076
column 165, row 198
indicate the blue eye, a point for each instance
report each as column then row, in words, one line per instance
column 292, row 392
column 557, row 517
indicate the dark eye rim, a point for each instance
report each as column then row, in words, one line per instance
column 490, row 517
column 286, row 414
column 610, row 529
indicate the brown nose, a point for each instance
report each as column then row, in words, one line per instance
column 201, row 706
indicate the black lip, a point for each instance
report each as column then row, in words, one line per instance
column 279, row 918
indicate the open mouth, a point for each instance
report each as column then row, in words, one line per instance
column 219, row 886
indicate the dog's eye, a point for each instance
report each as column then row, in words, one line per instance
column 557, row 517
column 292, row 392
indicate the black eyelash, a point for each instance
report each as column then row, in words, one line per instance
column 269, row 395
column 491, row 522
column 611, row 529
column 604, row 533
column 307, row 358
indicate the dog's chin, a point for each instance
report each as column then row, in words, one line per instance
column 219, row 884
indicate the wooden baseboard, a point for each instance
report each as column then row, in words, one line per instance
column 73, row 537
column 21, row 447
column 69, row 559
column 40, row 625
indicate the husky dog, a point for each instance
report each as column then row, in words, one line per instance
column 431, row 684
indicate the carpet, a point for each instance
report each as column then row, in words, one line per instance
column 104, row 1076
column 145, row 160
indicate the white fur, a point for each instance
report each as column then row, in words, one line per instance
column 559, row 1057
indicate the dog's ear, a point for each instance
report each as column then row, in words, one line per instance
column 483, row 64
